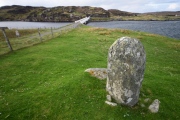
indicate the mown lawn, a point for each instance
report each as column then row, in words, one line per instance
column 47, row 81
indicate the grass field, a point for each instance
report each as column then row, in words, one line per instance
column 27, row 37
column 30, row 37
column 47, row 81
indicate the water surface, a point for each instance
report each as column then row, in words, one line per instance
column 165, row 28
column 30, row 25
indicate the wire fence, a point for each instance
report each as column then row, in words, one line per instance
column 19, row 38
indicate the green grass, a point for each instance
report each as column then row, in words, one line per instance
column 147, row 17
column 11, row 33
column 47, row 81
column 28, row 37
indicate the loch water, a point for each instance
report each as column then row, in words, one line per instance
column 165, row 28
column 32, row 25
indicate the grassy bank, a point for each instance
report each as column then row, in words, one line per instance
column 47, row 81
column 30, row 37
column 11, row 33
column 25, row 39
column 147, row 18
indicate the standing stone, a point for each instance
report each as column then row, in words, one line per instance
column 125, row 72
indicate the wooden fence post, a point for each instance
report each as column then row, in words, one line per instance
column 7, row 40
column 17, row 33
column 39, row 34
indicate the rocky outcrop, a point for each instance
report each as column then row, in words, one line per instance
column 116, row 12
column 54, row 14
column 126, row 65
column 73, row 13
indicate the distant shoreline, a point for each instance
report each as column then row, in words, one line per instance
column 73, row 13
column 89, row 21
column 165, row 28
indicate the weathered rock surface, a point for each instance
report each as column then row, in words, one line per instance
column 126, row 65
column 100, row 73
column 53, row 14
column 73, row 13
column 109, row 98
column 111, row 103
column 154, row 107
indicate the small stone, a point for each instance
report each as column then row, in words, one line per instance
column 109, row 98
column 142, row 105
column 154, row 107
column 146, row 100
column 143, row 94
column 111, row 103
column 100, row 73
column 126, row 115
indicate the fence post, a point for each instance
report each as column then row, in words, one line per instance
column 52, row 32
column 39, row 34
column 17, row 33
column 7, row 40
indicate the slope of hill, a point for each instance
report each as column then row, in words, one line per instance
column 55, row 14
column 72, row 13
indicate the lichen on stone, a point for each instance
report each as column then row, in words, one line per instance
column 125, row 70
column 100, row 73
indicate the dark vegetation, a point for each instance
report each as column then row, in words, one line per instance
column 72, row 13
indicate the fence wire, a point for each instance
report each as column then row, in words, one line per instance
column 31, row 37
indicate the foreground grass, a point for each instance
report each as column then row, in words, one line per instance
column 47, row 81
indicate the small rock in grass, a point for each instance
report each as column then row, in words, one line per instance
column 100, row 73
column 146, row 100
column 109, row 98
column 154, row 107
column 142, row 105
column 111, row 103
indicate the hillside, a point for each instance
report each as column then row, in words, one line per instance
column 55, row 14
column 72, row 13
column 166, row 13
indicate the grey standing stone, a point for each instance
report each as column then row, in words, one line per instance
column 125, row 72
